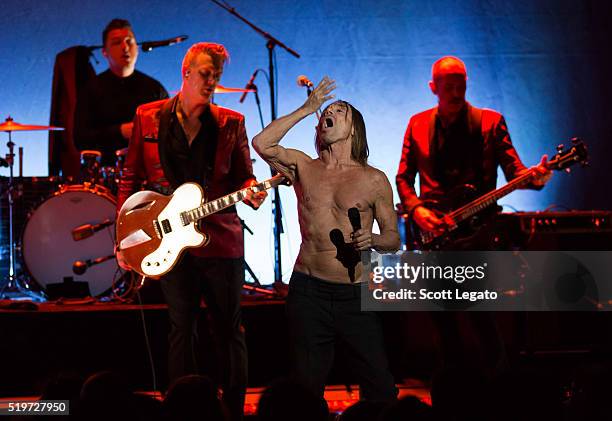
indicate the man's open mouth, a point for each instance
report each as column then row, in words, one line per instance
column 328, row 123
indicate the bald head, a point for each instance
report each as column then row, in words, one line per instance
column 448, row 65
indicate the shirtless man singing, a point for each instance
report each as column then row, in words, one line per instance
column 323, row 305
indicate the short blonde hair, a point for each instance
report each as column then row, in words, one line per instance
column 217, row 52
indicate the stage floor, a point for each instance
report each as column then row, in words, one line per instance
column 40, row 341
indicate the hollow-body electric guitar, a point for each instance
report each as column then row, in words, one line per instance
column 464, row 212
column 153, row 229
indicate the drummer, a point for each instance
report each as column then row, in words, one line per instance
column 106, row 107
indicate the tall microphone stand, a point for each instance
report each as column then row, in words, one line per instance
column 256, row 93
column 271, row 43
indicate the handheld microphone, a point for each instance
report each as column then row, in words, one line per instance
column 248, row 85
column 87, row 230
column 149, row 45
column 355, row 218
column 304, row 82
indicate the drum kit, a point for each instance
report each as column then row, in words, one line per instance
column 55, row 247
column 67, row 241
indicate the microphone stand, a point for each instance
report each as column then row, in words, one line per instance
column 253, row 86
column 271, row 43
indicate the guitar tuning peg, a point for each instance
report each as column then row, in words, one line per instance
column 568, row 170
column 560, row 148
column 575, row 140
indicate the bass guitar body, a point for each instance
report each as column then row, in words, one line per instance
column 468, row 213
column 465, row 234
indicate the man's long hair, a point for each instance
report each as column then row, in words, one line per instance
column 359, row 142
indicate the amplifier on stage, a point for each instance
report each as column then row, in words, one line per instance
column 565, row 222
column 571, row 230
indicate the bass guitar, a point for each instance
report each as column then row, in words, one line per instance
column 467, row 216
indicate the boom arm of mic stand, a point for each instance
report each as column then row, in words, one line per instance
column 260, row 31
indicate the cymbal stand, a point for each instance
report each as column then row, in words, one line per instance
column 254, row 286
column 11, row 281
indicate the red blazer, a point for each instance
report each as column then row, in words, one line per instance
column 498, row 150
column 233, row 169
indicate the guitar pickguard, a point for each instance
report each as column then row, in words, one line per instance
column 175, row 237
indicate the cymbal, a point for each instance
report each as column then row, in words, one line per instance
column 10, row 126
column 226, row 90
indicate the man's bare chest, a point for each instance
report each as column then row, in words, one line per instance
column 334, row 190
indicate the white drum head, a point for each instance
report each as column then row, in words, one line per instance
column 49, row 250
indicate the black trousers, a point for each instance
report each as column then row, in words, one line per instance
column 219, row 281
column 322, row 314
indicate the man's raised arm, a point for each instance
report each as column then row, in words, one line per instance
column 267, row 144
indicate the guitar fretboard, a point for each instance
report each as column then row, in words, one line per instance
column 488, row 199
column 226, row 201
column 561, row 161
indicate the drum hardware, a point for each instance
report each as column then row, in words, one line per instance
column 253, row 287
column 227, row 90
column 47, row 251
column 220, row 89
column 94, row 173
column 90, row 165
column 87, row 230
column 9, row 126
column 80, row 267
column 67, row 289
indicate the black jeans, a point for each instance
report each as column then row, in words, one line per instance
column 322, row 314
column 219, row 281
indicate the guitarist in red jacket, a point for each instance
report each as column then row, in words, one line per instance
column 452, row 145
column 188, row 139
column 455, row 144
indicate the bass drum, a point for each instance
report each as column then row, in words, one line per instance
column 48, row 248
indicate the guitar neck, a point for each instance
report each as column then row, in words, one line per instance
column 231, row 199
column 470, row 209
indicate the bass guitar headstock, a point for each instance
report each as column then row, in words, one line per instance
column 564, row 159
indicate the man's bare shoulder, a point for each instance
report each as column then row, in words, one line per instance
column 376, row 175
column 299, row 156
column 377, row 181
column 292, row 164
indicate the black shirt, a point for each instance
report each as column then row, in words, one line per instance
column 106, row 103
column 457, row 153
column 195, row 162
